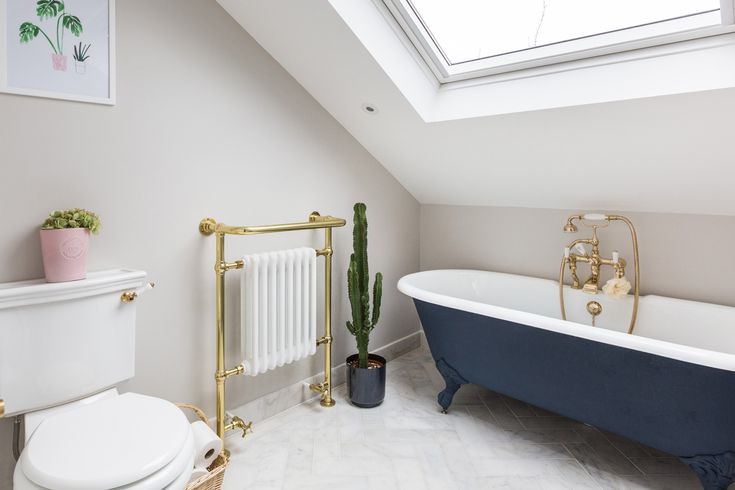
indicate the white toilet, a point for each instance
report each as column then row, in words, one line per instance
column 63, row 349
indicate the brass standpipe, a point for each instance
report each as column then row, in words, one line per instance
column 575, row 252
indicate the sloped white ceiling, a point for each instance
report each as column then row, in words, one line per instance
column 663, row 154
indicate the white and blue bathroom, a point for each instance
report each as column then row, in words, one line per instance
column 367, row 245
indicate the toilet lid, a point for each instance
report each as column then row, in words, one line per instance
column 106, row 444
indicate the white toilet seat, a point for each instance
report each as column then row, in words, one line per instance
column 174, row 476
column 183, row 479
column 126, row 442
column 183, row 464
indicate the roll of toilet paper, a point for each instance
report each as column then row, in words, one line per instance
column 197, row 474
column 206, row 444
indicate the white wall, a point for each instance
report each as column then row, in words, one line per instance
column 681, row 255
column 206, row 124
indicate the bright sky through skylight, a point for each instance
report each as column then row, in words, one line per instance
column 471, row 29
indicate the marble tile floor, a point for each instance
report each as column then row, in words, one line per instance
column 486, row 441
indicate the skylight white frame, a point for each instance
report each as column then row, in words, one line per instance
column 622, row 41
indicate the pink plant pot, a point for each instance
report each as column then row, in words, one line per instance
column 65, row 254
column 59, row 62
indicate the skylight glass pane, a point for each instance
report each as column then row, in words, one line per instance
column 466, row 30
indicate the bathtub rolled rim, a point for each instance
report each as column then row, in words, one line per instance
column 695, row 355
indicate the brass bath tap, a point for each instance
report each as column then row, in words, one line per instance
column 594, row 259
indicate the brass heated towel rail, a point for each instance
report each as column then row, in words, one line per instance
column 209, row 226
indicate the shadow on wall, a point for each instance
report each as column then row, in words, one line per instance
column 25, row 254
column 7, row 463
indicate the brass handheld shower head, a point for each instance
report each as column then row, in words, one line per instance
column 570, row 227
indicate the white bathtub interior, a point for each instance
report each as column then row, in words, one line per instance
column 676, row 321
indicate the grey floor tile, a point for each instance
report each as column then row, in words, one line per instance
column 547, row 436
column 630, row 448
column 550, row 422
column 675, row 482
column 606, row 462
column 540, row 412
column 661, row 466
column 519, row 408
column 509, row 422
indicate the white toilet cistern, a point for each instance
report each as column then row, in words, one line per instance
column 64, row 347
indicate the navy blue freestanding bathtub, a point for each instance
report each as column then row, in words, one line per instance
column 670, row 386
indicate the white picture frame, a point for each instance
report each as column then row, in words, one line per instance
column 24, row 71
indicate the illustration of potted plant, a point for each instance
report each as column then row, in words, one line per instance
column 65, row 242
column 80, row 56
column 365, row 371
column 52, row 9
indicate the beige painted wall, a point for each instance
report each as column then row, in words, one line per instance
column 206, row 124
column 682, row 256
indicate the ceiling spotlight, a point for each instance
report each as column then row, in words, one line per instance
column 370, row 108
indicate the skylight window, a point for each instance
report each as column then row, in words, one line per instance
column 464, row 38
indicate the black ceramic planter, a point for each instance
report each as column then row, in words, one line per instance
column 366, row 386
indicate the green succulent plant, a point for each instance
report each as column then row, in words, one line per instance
column 72, row 218
column 358, row 287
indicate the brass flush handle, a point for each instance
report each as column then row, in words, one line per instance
column 130, row 296
column 2, row 408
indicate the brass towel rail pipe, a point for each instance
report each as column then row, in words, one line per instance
column 210, row 226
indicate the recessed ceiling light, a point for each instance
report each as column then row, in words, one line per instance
column 370, row 108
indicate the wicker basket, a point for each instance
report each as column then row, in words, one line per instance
column 213, row 480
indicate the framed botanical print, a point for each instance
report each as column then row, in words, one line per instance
column 61, row 49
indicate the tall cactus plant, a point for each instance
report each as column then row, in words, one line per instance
column 358, row 287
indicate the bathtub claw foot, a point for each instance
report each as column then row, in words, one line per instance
column 716, row 472
column 453, row 380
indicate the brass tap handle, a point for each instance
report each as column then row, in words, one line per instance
column 246, row 428
column 130, row 296
column 323, row 340
column 318, row 388
column 573, row 270
column 238, row 423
